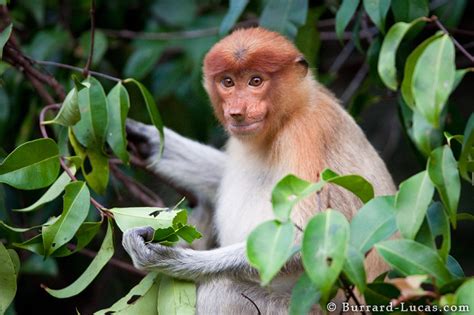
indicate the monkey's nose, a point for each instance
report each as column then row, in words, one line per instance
column 239, row 117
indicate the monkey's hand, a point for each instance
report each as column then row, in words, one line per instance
column 147, row 256
column 145, row 138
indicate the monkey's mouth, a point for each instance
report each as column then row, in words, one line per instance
column 246, row 128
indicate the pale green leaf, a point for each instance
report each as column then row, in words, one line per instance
column 412, row 258
column 443, row 171
column 157, row 218
column 354, row 268
column 176, row 297
column 356, row 184
column 52, row 193
column 118, row 104
column 407, row 83
column 269, row 246
column 324, row 247
column 412, row 201
column 140, row 291
column 288, row 192
column 466, row 152
column 32, row 165
column 374, row 222
column 106, row 252
column 91, row 129
column 387, row 59
column 75, row 210
column 433, row 78
column 7, row 279
column 140, row 96
column 465, row 296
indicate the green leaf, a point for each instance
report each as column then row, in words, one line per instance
column 143, row 60
column 460, row 75
column 466, row 152
column 354, row 268
column 443, row 171
column 140, row 290
column 52, row 193
column 118, row 104
column 408, row 10
column 377, row 11
column 139, row 95
column 4, row 36
column 106, row 252
column 438, row 223
column 33, row 165
column 412, row 201
column 7, row 279
column 100, row 45
column 17, row 229
column 356, row 184
column 380, row 293
column 465, row 216
column 387, row 63
column 407, row 83
column 425, row 136
column 288, row 192
column 284, row 16
column 269, row 246
column 344, row 15
column 176, row 297
column 454, row 267
column 69, row 113
column 236, row 8
column 91, row 129
column 412, row 258
column 75, row 210
column 374, row 222
column 433, row 78
column 15, row 261
column 465, row 295
column 157, row 218
column 94, row 165
column 188, row 233
column 38, row 266
column 324, row 247
column 303, row 296
column 451, row 12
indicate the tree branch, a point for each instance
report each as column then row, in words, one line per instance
column 69, row 67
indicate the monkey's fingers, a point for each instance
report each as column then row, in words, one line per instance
column 143, row 137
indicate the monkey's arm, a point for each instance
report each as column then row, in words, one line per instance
column 187, row 164
column 186, row 263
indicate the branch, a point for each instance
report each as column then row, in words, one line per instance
column 350, row 294
column 440, row 25
column 138, row 190
column 355, row 83
column 91, row 46
column 69, row 67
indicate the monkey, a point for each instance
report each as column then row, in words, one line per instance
column 280, row 121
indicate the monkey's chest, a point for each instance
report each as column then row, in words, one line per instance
column 244, row 201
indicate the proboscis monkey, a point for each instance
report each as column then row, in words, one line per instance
column 280, row 120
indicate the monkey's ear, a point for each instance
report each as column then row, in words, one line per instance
column 302, row 65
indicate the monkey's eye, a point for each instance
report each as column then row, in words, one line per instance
column 255, row 81
column 227, row 82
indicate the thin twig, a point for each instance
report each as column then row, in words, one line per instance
column 253, row 303
column 440, row 25
column 69, row 67
column 350, row 294
column 341, row 58
column 91, row 46
column 127, row 34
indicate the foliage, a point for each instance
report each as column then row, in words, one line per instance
column 405, row 54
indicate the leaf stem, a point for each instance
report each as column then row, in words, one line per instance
column 86, row 70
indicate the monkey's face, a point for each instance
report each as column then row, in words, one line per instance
column 244, row 105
